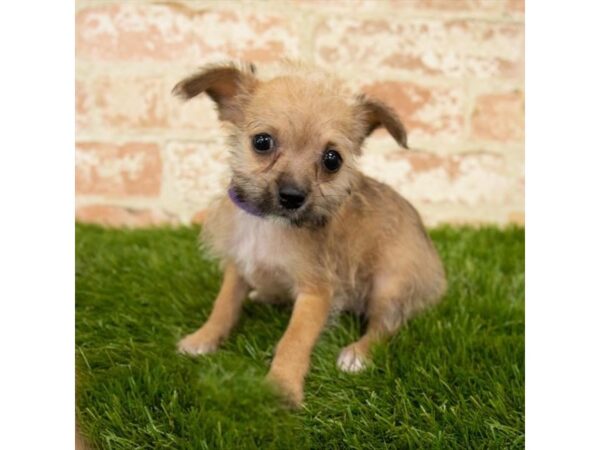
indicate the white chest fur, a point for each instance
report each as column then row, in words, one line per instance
column 260, row 246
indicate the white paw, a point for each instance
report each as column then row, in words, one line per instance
column 351, row 361
column 191, row 346
column 263, row 297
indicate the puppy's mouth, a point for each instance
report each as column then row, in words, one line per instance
column 303, row 217
column 265, row 205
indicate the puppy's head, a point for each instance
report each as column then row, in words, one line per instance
column 295, row 138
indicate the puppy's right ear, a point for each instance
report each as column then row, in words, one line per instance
column 226, row 85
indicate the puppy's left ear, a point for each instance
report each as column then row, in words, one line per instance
column 374, row 114
column 225, row 84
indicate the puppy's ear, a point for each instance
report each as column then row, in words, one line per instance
column 374, row 114
column 226, row 85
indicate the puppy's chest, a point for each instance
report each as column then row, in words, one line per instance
column 260, row 246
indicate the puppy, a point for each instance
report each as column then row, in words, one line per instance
column 299, row 220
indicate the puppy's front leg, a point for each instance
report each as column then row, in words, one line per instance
column 223, row 317
column 292, row 356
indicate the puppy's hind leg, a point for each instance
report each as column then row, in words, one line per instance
column 355, row 356
column 223, row 317
column 391, row 301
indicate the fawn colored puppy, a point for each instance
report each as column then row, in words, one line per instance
column 300, row 222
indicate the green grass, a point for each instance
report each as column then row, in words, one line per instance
column 452, row 378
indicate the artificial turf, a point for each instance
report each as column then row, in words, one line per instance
column 452, row 378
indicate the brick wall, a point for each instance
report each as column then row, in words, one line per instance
column 453, row 70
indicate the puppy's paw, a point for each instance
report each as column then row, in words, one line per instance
column 197, row 344
column 351, row 360
column 291, row 389
column 263, row 297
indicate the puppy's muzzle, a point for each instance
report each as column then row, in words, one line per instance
column 290, row 197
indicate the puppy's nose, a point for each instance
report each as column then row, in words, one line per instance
column 291, row 197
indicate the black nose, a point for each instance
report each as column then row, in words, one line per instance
column 291, row 197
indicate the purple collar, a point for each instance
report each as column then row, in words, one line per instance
column 240, row 203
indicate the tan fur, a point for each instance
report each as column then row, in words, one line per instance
column 355, row 245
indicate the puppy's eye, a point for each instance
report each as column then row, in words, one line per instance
column 332, row 160
column 263, row 143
